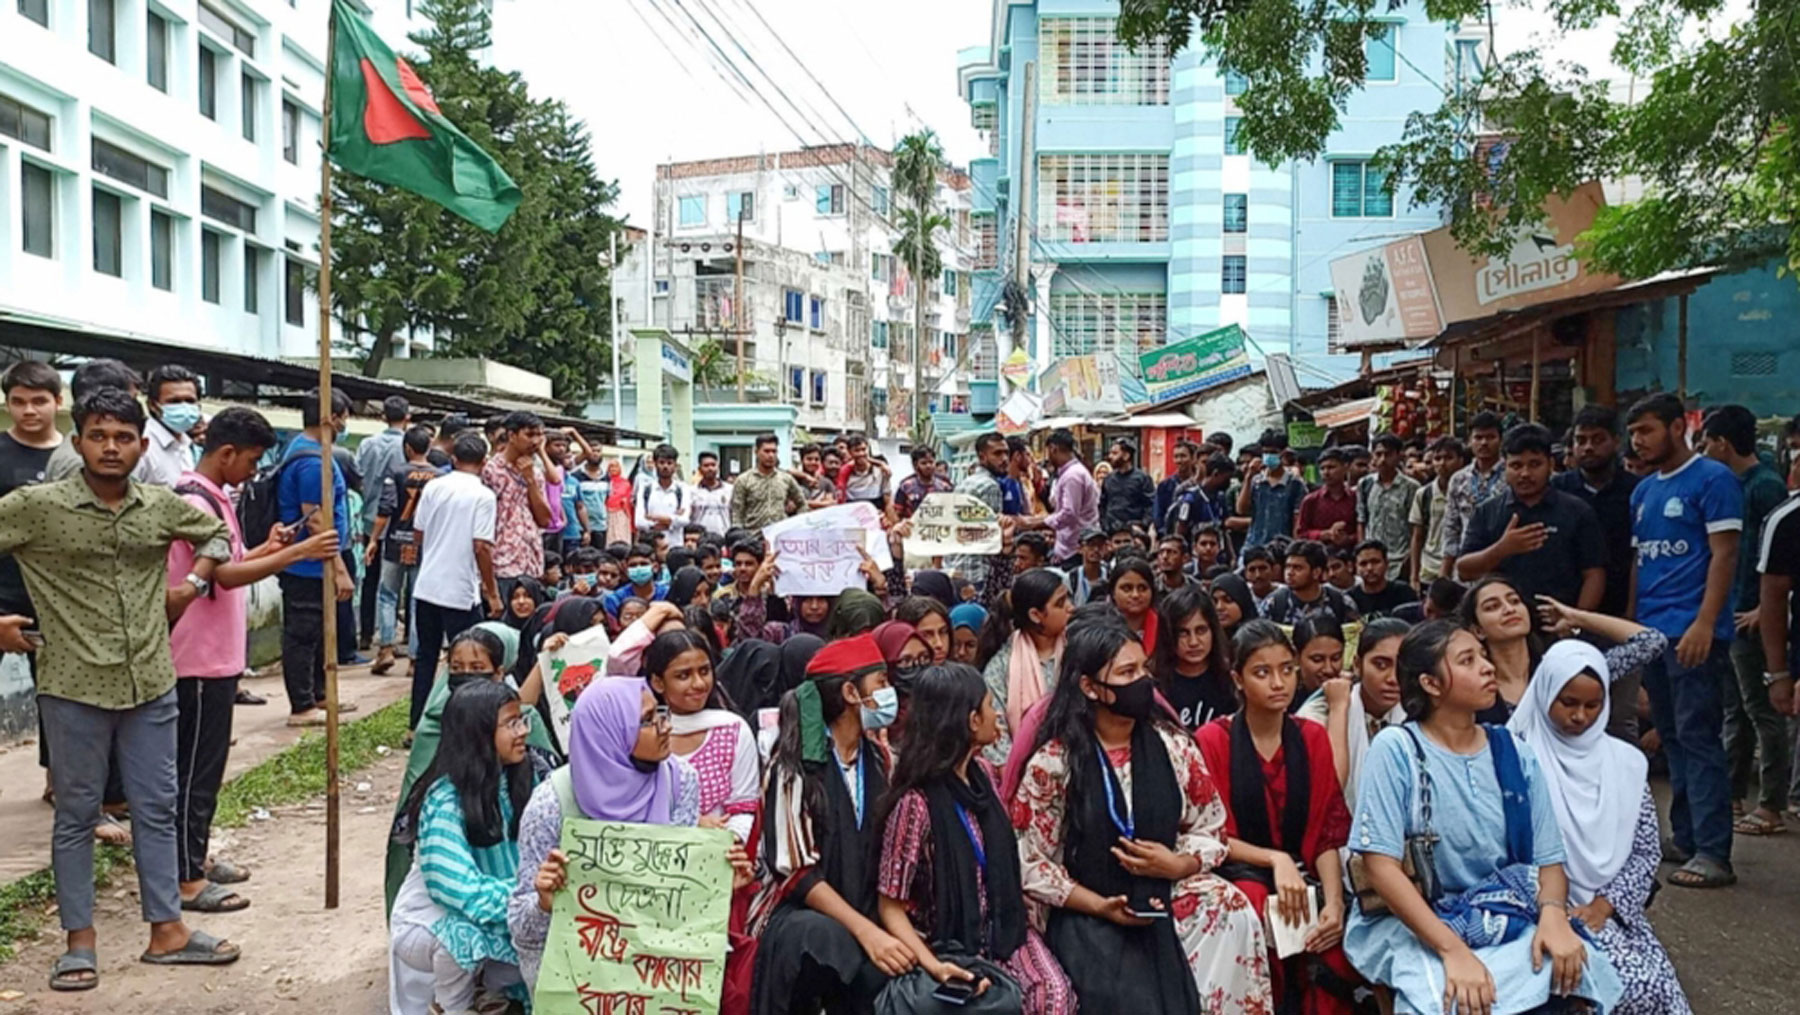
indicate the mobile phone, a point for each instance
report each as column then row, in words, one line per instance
column 662, row 715
column 35, row 637
column 956, row 992
column 1150, row 914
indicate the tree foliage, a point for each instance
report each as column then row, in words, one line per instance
column 1704, row 119
column 535, row 295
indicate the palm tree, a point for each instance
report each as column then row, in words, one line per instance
column 918, row 159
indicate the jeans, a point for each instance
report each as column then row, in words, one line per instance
column 1753, row 728
column 367, row 595
column 396, row 591
column 303, row 641
column 1688, row 712
column 203, row 743
column 435, row 624
column 82, row 739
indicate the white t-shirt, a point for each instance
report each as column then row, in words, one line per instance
column 454, row 510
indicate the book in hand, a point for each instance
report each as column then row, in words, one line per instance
column 1287, row 939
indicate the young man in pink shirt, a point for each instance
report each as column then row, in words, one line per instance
column 208, row 645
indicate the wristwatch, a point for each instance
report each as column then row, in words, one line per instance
column 201, row 585
column 1772, row 678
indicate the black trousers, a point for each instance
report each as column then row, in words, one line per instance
column 303, row 641
column 346, row 618
column 365, row 607
column 202, row 744
column 435, row 625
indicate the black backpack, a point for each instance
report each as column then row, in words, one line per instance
column 259, row 508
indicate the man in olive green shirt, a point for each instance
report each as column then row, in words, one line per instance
column 765, row 494
column 93, row 549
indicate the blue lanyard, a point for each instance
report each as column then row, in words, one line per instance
column 974, row 841
column 1126, row 825
column 859, row 785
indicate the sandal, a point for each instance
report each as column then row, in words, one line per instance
column 1755, row 824
column 66, row 973
column 215, row 898
column 202, row 949
column 245, row 696
column 1703, row 872
column 109, row 832
column 1672, row 853
column 224, row 872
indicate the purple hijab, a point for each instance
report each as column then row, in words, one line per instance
column 602, row 731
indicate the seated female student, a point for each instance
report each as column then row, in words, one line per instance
column 1319, row 643
column 815, row 913
column 1193, row 661
column 620, row 769
column 949, row 869
column 931, row 619
column 1498, row 935
column 1598, row 788
column 1285, row 816
column 625, row 655
column 966, row 622
column 1132, row 591
column 690, row 586
column 1120, row 830
column 1353, row 714
column 448, row 931
column 1023, row 670
column 906, row 657
column 704, row 733
column 1234, row 602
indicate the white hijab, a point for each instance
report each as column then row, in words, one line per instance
column 1595, row 782
column 1358, row 735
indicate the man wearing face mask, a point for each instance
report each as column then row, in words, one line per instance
column 1271, row 495
column 172, row 394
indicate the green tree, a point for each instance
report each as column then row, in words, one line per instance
column 536, row 295
column 918, row 159
column 1709, row 133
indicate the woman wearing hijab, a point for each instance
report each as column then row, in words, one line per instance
column 815, row 911
column 938, row 586
column 856, row 611
column 949, row 869
column 1233, row 601
column 1024, row 670
column 689, row 586
column 966, row 622
column 522, row 602
column 1599, row 790
column 704, row 733
column 618, row 505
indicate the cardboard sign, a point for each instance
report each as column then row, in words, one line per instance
column 818, row 562
column 568, row 671
column 947, row 524
column 860, row 516
column 640, row 928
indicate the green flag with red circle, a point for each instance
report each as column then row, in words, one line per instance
column 385, row 125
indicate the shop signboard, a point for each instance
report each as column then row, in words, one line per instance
column 1205, row 361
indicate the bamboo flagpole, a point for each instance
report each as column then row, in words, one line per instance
column 327, row 472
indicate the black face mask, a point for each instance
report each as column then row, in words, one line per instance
column 456, row 680
column 903, row 676
column 646, row 767
column 1136, row 700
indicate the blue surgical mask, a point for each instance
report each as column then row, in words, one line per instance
column 1271, row 460
column 885, row 710
column 640, row 575
column 589, row 580
column 181, row 416
column 726, row 567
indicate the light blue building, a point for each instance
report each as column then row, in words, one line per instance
column 1150, row 226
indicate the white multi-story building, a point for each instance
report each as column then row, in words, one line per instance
column 827, row 310
column 159, row 166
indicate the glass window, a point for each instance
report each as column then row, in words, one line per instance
column 290, row 132
column 128, row 167
column 878, row 336
column 1086, row 64
column 818, row 387
column 23, row 123
column 209, row 266
column 162, row 251
column 108, row 234
column 829, row 199
column 296, row 292
column 949, row 283
column 987, row 243
column 793, row 305
column 1103, row 198
column 1234, row 274
column 796, row 383
column 740, row 206
column 1235, row 83
column 156, row 51
column 1232, row 123
column 693, row 211
column 37, row 189
column 102, row 30
column 1359, row 191
column 247, row 106
column 1084, row 323
column 208, row 74
column 1378, row 47
column 1237, row 212
column 815, row 313
column 882, row 200
column 252, row 290
column 222, row 207
column 36, row 10
column 228, row 30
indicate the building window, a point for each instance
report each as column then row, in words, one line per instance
column 156, row 51
column 882, row 200
column 228, row 30
column 878, row 335
column 1378, row 48
column 1084, row 323
column 1103, row 198
column 818, row 387
column 815, row 313
column 1233, row 276
column 290, row 132
column 252, row 266
column 1235, row 83
column 23, row 123
column 247, row 105
column 1232, row 125
column 296, row 292
column 222, row 207
column 127, row 167
column 102, row 30
column 162, row 251
column 37, row 190
column 949, row 283
column 36, row 10
column 878, row 400
column 881, row 267
column 829, row 198
column 987, row 243
column 1088, row 65
column 209, row 266
column 1237, row 212
column 793, row 305
column 693, row 211
column 208, row 74
column 109, row 240
column 1358, row 190
column 796, row 383
column 740, row 207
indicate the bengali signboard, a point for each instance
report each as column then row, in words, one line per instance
column 1083, row 386
column 640, row 928
column 948, row 524
column 818, row 562
column 857, row 516
column 1017, row 368
column 1202, row 362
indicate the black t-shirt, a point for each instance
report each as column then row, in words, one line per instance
column 19, row 466
column 1574, row 544
column 1612, row 506
column 1383, row 604
column 1199, row 700
column 399, row 499
column 1779, row 554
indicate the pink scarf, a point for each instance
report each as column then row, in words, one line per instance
column 1025, row 677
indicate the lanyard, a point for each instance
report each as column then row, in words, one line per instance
column 1126, row 825
column 858, row 796
column 974, row 841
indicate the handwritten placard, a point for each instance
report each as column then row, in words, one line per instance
column 858, row 516
column 953, row 523
column 640, row 928
column 568, row 671
column 818, row 562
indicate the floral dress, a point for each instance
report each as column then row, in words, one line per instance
column 1219, row 931
column 1645, row 972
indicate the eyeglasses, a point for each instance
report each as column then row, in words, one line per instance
column 518, row 724
column 659, row 719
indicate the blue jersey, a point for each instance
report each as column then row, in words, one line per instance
column 1671, row 517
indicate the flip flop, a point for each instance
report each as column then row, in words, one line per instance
column 110, row 832
column 215, row 898
column 1755, row 824
column 224, row 872
column 245, row 696
column 64, row 972
column 202, row 949
column 1702, row 872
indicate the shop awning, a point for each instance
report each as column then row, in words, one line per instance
column 1345, row 414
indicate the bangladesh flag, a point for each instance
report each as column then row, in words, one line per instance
column 386, row 126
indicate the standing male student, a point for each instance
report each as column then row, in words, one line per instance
column 455, row 529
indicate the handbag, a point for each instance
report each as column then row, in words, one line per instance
column 910, row 993
column 1417, row 856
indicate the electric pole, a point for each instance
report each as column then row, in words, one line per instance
column 1022, row 233
column 737, row 302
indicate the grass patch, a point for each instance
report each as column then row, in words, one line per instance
column 298, row 773
column 24, row 903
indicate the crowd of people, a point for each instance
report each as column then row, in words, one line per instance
column 1228, row 743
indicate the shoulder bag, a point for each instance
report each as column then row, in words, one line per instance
column 1417, row 858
